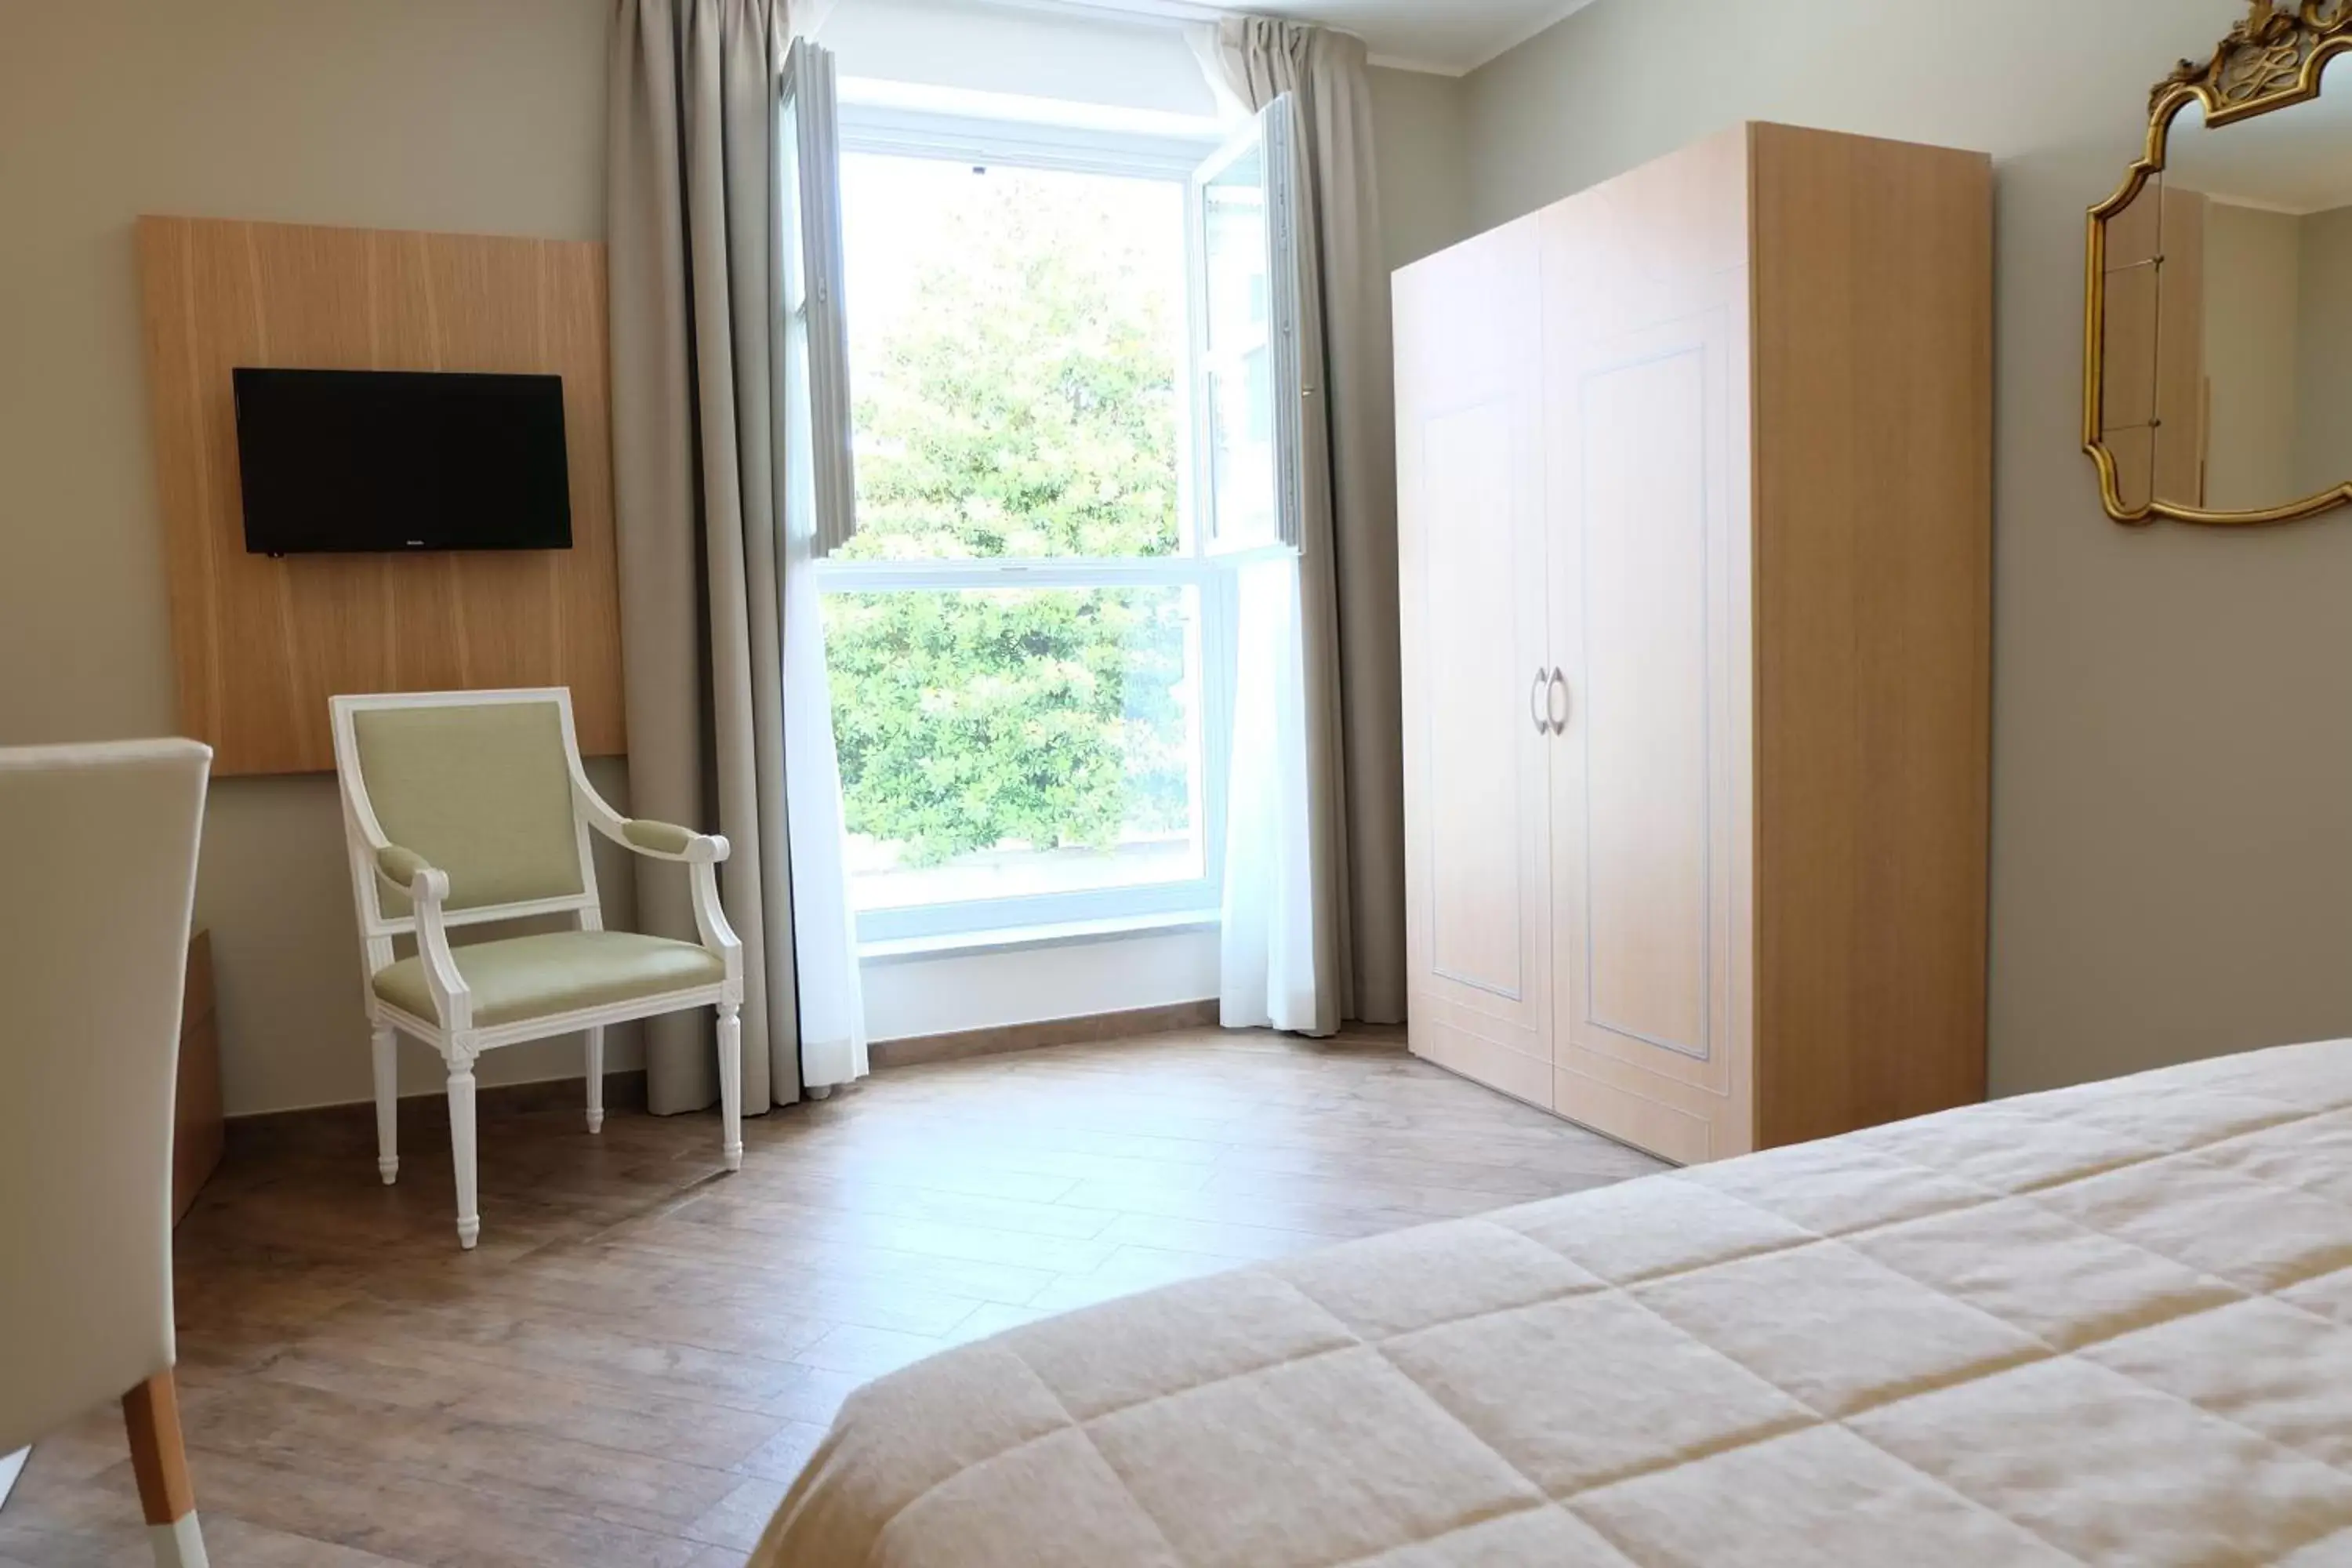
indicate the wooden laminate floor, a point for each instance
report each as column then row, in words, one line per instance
column 631, row 1368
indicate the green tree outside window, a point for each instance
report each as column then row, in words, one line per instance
column 1027, row 407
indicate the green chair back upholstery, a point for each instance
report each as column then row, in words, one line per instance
column 482, row 791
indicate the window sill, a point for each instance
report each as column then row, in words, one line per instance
column 1023, row 939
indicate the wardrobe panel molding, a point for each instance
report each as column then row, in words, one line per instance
column 1476, row 699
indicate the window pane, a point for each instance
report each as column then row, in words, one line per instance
column 1241, row 448
column 1234, row 217
column 1240, row 393
column 799, row 499
column 788, row 198
column 1014, row 339
column 1005, row 742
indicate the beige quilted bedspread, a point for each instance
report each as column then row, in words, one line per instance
column 2109, row 1325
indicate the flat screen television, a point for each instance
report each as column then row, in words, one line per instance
column 374, row 460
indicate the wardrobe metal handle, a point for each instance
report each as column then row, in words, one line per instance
column 1557, row 711
column 1538, row 710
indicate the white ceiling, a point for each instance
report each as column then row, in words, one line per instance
column 1449, row 36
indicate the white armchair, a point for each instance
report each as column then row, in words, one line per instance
column 462, row 807
column 98, row 869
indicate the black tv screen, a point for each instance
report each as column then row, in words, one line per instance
column 398, row 460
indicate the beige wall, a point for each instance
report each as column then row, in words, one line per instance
column 1420, row 137
column 2172, row 800
column 446, row 114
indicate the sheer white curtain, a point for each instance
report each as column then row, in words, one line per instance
column 1274, row 964
column 825, row 926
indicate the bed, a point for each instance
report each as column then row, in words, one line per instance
column 2110, row 1324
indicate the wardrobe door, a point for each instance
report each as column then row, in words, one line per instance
column 1477, row 665
column 1646, row 370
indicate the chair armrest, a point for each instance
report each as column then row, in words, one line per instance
column 668, row 841
column 662, row 837
column 427, row 886
column 400, row 867
column 643, row 836
column 700, row 852
column 710, row 916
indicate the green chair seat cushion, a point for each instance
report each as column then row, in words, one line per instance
column 561, row 972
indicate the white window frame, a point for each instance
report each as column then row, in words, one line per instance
column 812, row 343
column 1272, row 134
column 895, row 129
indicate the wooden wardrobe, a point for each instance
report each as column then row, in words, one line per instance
column 1695, row 474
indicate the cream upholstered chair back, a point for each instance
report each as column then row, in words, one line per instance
column 477, row 784
column 98, row 859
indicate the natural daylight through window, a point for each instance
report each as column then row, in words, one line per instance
column 1022, row 637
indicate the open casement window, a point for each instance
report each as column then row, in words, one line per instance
column 1029, row 649
column 820, row 494
column 1257, row 362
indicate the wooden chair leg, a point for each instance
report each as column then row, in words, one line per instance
column 151, row 1416
column 597, row 1080
column 730, row 1084
column 462, row 1151
column 386, row 1046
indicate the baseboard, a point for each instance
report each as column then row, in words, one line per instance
column 622, row 1091
column 1092, row 1029
column 626, row 1090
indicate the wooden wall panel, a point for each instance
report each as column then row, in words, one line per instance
column 261, row 644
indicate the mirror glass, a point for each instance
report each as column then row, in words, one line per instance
column 2227, row 384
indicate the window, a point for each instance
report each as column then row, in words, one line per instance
column 1028, row 638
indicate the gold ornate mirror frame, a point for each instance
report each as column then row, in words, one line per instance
column 2271, row 60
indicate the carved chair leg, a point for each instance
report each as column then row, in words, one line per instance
column 151, row 1416
column 387, row 1105
column 730, row 1083
column 461, row 1149
column 596, row 1079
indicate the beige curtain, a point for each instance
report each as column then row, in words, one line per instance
column 1352, row 626
column 691, row 221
